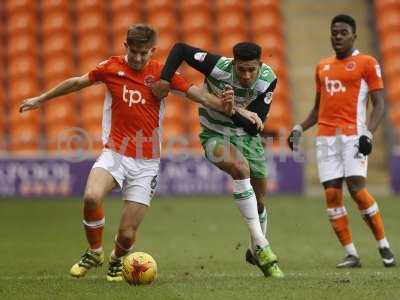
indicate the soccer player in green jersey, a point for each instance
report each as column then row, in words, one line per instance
column 232, row 143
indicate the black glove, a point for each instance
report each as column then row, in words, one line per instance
column 365, row 143
column 294, row 137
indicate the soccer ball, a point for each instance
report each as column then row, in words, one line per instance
column 139, row 268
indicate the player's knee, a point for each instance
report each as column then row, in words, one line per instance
column 240, row 170
column 127, row 234
column 92, row 199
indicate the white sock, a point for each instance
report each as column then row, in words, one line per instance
column 351, row 250
column 98, row 250
column 383, row 243
column 247, row 204
column 114, row 257
column 262, row 217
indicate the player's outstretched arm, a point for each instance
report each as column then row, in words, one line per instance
column 224, row 105
column 67, row 86
column 365, row 139
column 312, row 119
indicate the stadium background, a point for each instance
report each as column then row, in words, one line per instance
column 47, row 41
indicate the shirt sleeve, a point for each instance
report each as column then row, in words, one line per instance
column 262, row 103
column 179, row 83
column 317, row 82
column 98, row 73
column 373, row 75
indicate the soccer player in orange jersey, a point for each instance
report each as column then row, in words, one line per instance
column 344, row 83
column 131, row 157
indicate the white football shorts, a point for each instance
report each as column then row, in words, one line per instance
column 338, row 157
column 138, row 178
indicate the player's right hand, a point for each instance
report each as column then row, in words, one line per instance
column 160, row 89
column 228, row 101
column 30, row 104
column 252, row 116
column 294, row 137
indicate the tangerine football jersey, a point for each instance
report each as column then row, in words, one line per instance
column 132, row 115
column 344, row 85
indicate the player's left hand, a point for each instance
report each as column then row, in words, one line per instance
column 228, row 101
column 365, row 143
column 252, row 116
column 160, row 89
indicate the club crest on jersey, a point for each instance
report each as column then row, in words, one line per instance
column 200, row 56
column 149, row 80
column 350, row 66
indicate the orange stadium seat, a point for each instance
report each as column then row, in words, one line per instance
column 58, row 66
column 22, row 88
column 159, row 5
column 89, row 62
column 15, row 117
column 15, row 6
column 94, row 136
column 61, row 110
column 192, row 75
column 231, row 21
column 24, row 138
column 50, row 6
column 265, row 5
column 388, row 20
column 174, row 106
column 124, row 6
column 91, row 21
column 393, row 88
column 381, row 5
column 93, row 43
column 123, row 19
column 262, row 21
column 23, row 66
column 188, row 7
column 227, row 41
column 57, row 44
column 174, row 137
column 163, row 21
column 222, row 5
column 390, row 42
column 118, row 40
column 197, row 21
column 22, row 22
column 272, row 44
column 90, row 5
column 91, row 112
column 201, row 40
column 391, row 64
column 58, row 22
column 22, row 44
column 164, row 45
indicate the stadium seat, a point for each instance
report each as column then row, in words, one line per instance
column 24, row 138
column 227, row 41
column 91, row 21
column 223, row 5
column 151, row 6
column 393, row 89
column 188, row 7
column 22, row 22
column 57, row 22
column 264, row 5
column 163, row 21
column 164, row 45
column 385, row 5
column 123, row 19
column 93, row 135
column 201, row 40
column 173, row 108
column 22, row 44
column 390, row 42
column 89, row 62
column 118, row 40
column 23, row 88
column 124, row 6
column 23, row 66
column 196, row 21
column 15, row 117
column 174, row 137
column 262, row 21
column 231, row 21
column 388, row 20
column 192, row 75
column 391, row 64
column 90, row 5
column 51, row 6
column 93, row 44
column 15, row 6
column 58, row 66
column 57, row 44
column 61, row 110
column 271, row 43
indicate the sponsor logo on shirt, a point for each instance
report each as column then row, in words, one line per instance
column 132, row 96
column 334, row 86
column 200, row 56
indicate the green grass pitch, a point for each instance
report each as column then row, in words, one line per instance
column 199, row 245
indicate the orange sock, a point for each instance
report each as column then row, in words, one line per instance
column 122, row 244
column 94, row 224
column 370, row 211
column 338, row 215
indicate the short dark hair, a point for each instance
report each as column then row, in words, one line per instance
column 141, row 34
column 246, row 51
column 345, row 19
